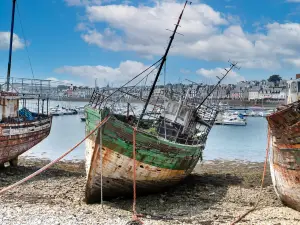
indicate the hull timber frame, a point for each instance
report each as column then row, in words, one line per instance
column 17, row 138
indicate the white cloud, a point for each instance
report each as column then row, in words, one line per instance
column 55, row 82
column 295, row 62
column 149, row 36
column 104, row 74
column 233, row 77
column 4, row 41
column 208, row 34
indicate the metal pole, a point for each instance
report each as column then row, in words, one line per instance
column 127, row 109
column 38, row 104
column 43, row 100
column 10, row 44
column 47, row 105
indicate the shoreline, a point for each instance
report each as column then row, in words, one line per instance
column 217, row 192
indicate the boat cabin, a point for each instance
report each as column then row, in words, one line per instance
column 179, row 123
column 175, row 112
column 9, row 105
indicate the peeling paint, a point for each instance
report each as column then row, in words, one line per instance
column 285, row 154
column 17, row 138
column 160, row 163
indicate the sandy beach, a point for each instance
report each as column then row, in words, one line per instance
column 216, row 193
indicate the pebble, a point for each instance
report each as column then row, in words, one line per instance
column 56, row 197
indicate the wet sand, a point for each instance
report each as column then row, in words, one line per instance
column 216, row 193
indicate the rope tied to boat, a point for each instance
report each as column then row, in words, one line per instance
column 101, row 164
column 56, row 160
column 262, row 182
column 135, row 217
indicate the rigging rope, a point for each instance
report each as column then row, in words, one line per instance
column 165, row 72
column 54, row 161
column 125, row 92
column 25, row 40
column 262, row 183
column 101, row 165
column 134, row 174
column 133, row 78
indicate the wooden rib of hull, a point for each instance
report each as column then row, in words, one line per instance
column 15, row 139
column 159, row 164
column 118, row 173
column 285, row 154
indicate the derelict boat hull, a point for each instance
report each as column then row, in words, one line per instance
column 285, row 154
column 159, row 163
column 17, row 138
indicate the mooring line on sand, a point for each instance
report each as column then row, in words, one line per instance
column 262, row 183
column 54, row 161
column 135, row 217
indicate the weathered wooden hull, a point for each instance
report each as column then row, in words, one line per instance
column 285, row 154
column 17, row 138
column 159, row 163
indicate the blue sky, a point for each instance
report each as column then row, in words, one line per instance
column 76, row 41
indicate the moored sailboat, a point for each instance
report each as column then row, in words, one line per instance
column 21, row 129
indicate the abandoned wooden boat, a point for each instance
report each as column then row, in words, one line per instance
column 169, row 140
column 21, row 129
column 284, row 126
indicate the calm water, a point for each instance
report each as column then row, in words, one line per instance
column 238, row 142
column 224, row 142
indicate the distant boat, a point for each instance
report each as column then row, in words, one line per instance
column 235, row 121
column 285, row 147
column 82, row 119
column 253, row 114
column 79, row 109
column 22, row 129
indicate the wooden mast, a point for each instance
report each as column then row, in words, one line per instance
column 10, row 44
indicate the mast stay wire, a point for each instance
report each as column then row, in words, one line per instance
column 25, row 40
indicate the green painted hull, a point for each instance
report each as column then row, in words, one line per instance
column 159, row 163
column 149, row 149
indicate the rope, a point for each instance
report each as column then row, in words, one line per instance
column 54, row 161
column 101, row 165
column 135, row 219
column 262, row 183
column 134, row 174
column 25, row 40
column 146, row 76
column 133, row 79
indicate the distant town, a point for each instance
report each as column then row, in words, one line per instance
column 272, row 89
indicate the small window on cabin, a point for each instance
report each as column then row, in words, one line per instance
column 182, row 113
column 298, row 86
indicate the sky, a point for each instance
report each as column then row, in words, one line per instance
column 80, row 41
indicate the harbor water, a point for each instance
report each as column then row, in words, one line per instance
column 246, row 143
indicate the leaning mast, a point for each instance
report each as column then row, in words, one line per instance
column 163, row 61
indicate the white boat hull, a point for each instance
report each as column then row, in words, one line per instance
column 235, row 123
